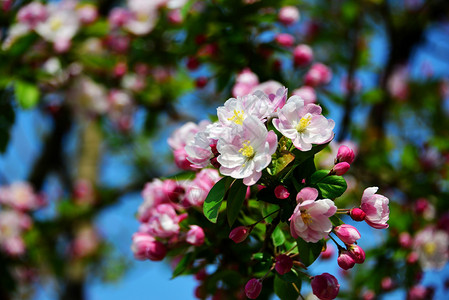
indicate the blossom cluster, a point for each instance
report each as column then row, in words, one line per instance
column 249, row 143
column 17, row 201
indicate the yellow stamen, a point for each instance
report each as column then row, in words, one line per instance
column 247, row 150
column 429, row 248
column 237, row 118
column 303, row 123
column 55, row 24
column 306, row 218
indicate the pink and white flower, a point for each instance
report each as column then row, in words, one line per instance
column 248, row 152
column 164, row 222
column 197, row 191
column 307, row 93
column 21, row 196
column 145, row 246
column 195, row 236
column 304, row 124
column 310, row 219
column 376, row 208
column 32, row 14
column 431, row 245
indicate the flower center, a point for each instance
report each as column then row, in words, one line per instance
column 247, row 150
column 55, row 24
column 306, row 217
column 303, row 123
column 237, row 118
column 430, row 248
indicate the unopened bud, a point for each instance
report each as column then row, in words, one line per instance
column 239, row 234
column 357, row 214
column 281, row 192
column 284, row 264
column 357, row 253
column 345, row 260
column 345, row 154
column 347, row 233
column 253, row 288
column 325, row 286
column 341, row 168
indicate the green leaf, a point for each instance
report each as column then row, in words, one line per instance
column 330, row 186
column 183, row 264
column 27, row 94
column 309, row 252
column 336, row 221
column 278, row 237
column 285, row 290
column 214, row 199
column 279, row 162
column 291, row 277
column 235, row 198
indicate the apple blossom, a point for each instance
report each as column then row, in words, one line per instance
column 284, row 264
column 60, row 26
column 288, row 15
column 376, row 208
column 357, row 214
column 249, row 151
column 431, row 245
column 341, row 168
column 310, row 219
column 307, row 93
column 198, row 189
column 303, row 124
column 145, row 246
column 281, row 192
column 345, row 260
column 357, row 253
column 318, row 74
column 32, row 14
column 195, row 236
column 239, row 234
column 164, row 222
column 345, row 154
column 285, row 39
column 302, row 55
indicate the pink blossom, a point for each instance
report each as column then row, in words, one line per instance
column 154, row 193
column 32, row 13
column 180, row 138
column 249, row 151
column 144, row 246
column 376, row 208
column 87, row 13
column 318, row 74
column 270, row 87
column 288, row 15
column 387, row 284
column 244, row 83
column 86, row 242
column 195, row 236
column 310, row 219
column 119, row 16
column 239, row 234
column 307, row 93
column 198, row 150
column 347, row 233
column 164, row 222
column 304, row 124
column 417, row 292
column 274, row 101
column 21, row 196
column 405, row 240
column 397, row 84
column 285, row 39
column 253, row 288
column 175, row 16
column 284, row 264
column 345, row 260
column 61, row 24
column 431, row 245
column 198, row 189
column 302, row 55
column 325, row 286
column 13, row 246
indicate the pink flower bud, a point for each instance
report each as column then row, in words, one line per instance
column 341, row 168
column 387, row 284
column 253, row 288
column 145, row 246
column 119, row 17
column 285, row 39
column 357, row 214
column 288, row 15
column 328, row 253
column 306, row 93
column 347, row 233
column 421, row 205
column 175, row 16
column 192, row 63
column 345, row 260
column 284, row 264
column 412, row 258
column 239, row 234
column 405, row 240
column 201, row 275
column 120, row 69
column 195, row 236
column 281, row 192
column 368, row 295
column 302, row 55
column 325, row 286
column 345, row 154
column 87, row 13
column 201, row 82
column 317, row 75
column 357, row 253
column 417, row 292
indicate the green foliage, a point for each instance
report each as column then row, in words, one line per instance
column 213, row 201
column 309, row 252
column 329, row 186
column 27, row 94
column 235, row 198
column 283, row 286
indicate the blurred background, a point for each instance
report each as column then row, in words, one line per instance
column 91, row 90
